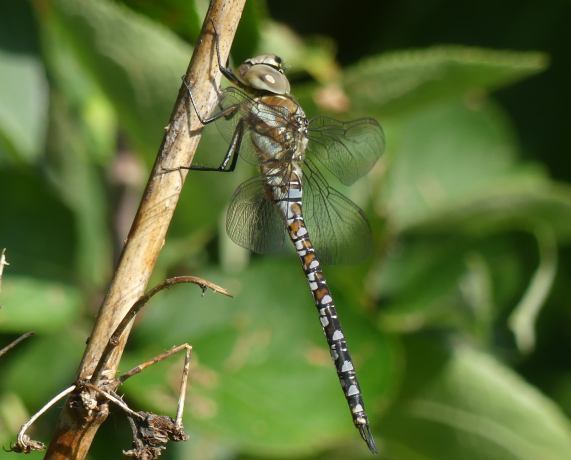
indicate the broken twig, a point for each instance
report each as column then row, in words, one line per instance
column 12, row 344
column 137, row 306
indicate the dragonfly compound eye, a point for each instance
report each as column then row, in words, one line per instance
column 264, row 72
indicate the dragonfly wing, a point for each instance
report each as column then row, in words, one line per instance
column 253, row 221
column 347, row 149
column 337, row 227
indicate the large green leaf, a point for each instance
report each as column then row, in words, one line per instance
column 462, row 404
column 31, row 304
column 404, row 81
column 446, row 154
column 262, row 378
column 528, row 203
column 23, row 87
column 137, row 62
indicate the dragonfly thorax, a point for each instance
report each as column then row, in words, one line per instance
column 264, row 73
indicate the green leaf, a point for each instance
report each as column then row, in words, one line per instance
column 450, row 281
column 71, row 159
column 75, row 90
column 23, row 86
column 404, row 81
column 523, row 319
column 446, row 154
column 43, row 366
column 31, row 304
column 512, row 204
column 179, row 16
column 262, row 378
column 316, row 56
column 37, row 228
column 138, row 63
column 462, row 404
column 419, row 282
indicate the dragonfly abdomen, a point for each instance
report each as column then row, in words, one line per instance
column 291, row 208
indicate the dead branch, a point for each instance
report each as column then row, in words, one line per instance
column 151, row 432
column 3, row 262
column 23, row 442
column 76, row 429
column 88, row 392
column 113, row 341
column 12, row 344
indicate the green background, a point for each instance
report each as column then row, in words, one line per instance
column 459, row 322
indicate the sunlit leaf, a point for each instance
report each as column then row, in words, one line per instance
column 523, row 319
column 31, row 304
column 447, row 154
column 137, row 62
column 511, row 204
column 23, row 86
column 71, row 160
column 403, row 81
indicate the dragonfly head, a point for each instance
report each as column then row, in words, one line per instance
column 264, row 72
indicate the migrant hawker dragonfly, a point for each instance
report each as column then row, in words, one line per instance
column 290, row 197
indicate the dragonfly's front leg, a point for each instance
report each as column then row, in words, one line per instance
column 226, row 71
column 227, row 113
column 234, row 147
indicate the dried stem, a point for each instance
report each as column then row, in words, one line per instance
column 12, row 344
column 183, row 383
column 111, row 397
column 3, row 262
column 113, row 341
column 23, row 441
column 75, row 431
column 141, row 367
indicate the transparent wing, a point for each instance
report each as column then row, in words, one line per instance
column 253, row 112
column 253, row 221
column 337, row 227
column 347, row 149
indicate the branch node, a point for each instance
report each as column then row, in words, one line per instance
column 25, row 445
column 151, row 433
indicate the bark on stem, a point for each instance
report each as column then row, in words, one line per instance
column 76, row 429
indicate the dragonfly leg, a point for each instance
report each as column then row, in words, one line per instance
column 225, row 69
column 231, row 155
column 227, row 113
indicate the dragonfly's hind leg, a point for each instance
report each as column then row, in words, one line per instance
column 230, row 157
column 231, row 154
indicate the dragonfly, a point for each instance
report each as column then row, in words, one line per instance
column 290, row 198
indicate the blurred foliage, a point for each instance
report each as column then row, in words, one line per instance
column 459, row 322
